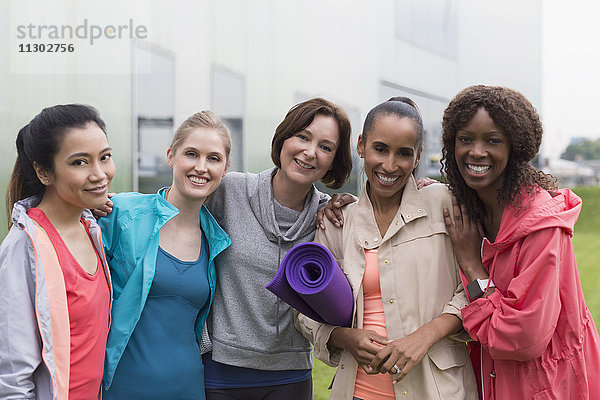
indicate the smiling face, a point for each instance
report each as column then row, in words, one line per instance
column 83, row 170
column 199, row 163
column 307, row 155
column 391, row 153
column 482, row 150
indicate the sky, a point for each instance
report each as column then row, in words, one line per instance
column 570, row 72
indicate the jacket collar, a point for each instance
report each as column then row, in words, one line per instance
column 410, row 209
column 218, row 240
column 19, row 212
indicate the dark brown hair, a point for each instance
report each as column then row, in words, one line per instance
column 519, row 120
column 39, row 141
column 302, row 115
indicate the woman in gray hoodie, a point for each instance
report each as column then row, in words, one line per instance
column 257, row 351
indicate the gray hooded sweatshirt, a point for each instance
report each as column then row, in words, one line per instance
column 249, row 326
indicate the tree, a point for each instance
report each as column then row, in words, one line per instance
column 582, row 149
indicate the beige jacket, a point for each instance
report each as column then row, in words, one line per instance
column 419, row 281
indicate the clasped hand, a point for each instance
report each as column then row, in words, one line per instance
column 376, row 354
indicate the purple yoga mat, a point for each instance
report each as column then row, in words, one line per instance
column 309, row 280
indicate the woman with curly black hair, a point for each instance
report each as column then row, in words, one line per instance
column 511, row 234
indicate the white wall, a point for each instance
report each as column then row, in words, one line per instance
column 284, row 50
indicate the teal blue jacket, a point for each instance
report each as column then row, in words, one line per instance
column 130, row 237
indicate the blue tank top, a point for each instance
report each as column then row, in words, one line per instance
column 162, row 359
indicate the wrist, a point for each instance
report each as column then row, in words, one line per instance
column 474, row 270
column 336, row 338
column 479, row 287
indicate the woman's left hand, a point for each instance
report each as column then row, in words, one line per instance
column 466, row 236
column 402, row 354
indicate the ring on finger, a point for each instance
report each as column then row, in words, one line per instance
column 397, row 369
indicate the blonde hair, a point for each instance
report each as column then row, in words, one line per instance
column 202, row 119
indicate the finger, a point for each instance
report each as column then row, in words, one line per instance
column 448, row 220
column 370, row 350
column 392, row 367
column 380, row 358
column 395, row 370
column 111, row 194
column 378, row 363
column 343, row 199
column 320, row 223
column 458, row 221
column 339, row 216
column 465, row 217
column 404, row 370
column 367, row 369
column 377, row 338
column 330, row 215
column 422, row 182
column 480, row 229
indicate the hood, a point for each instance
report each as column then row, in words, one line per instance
column 545, row 211
column 20, row 208
column 260, row 194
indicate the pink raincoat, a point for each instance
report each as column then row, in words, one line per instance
column 537, row 336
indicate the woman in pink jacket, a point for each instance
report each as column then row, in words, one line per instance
column 538, row 339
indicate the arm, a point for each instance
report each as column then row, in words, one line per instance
column 517, row 324
column 20, row 343
column 317, row 333
column 329, row 341
column 111, row 238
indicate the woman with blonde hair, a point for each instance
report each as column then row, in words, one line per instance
column 161, row 249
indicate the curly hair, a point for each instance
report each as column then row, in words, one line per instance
column 519, row 120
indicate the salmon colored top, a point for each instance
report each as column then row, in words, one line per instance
column 380, row 386
column 88, row 301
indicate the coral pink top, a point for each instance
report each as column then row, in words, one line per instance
column 88, row 298
column 380, row 386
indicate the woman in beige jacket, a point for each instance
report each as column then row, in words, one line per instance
column 406, row 339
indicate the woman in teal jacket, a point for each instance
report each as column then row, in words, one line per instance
column 161, row 249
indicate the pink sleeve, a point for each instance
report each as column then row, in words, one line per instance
column 518, row 324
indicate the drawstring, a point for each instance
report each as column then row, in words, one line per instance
column 277, row 298
column 492, row 271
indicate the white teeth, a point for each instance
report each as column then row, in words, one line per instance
column 478, row 169
column 197, row 180
column 386, row 180
column 303, row 165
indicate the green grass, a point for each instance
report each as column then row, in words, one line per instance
column 586, row 242
column 322, row 375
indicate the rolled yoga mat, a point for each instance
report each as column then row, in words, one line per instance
column 309, row 280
